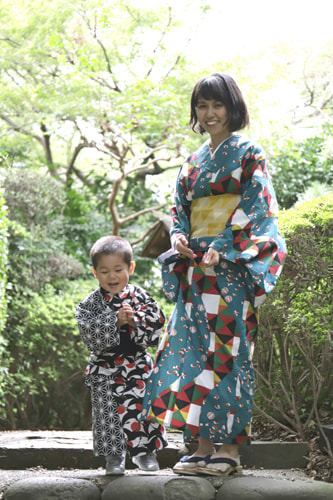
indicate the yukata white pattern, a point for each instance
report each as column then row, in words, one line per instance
column 118, row 369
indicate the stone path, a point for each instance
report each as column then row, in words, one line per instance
column 47, row 465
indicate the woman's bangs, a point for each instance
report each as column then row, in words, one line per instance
column 210, row 89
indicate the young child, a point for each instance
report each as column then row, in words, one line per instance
column 117, row 322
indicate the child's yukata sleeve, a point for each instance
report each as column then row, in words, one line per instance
column 148, row 317
column 251, row 237
column 97, row 324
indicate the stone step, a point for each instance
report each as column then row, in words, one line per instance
column 73, row 449
column 45, row 465
column 161, row 485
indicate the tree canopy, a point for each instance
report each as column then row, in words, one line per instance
column 96, row 93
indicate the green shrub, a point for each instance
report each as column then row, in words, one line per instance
column 294, row 354
column 300, row 164
column 3, row 260
column 44, row 386
column 3, row 283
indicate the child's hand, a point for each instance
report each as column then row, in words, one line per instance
column 125, row 316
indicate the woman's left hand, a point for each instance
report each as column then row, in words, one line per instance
column 211, row 258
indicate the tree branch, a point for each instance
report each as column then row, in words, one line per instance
column 94, row 34
column 47, row 144
column 164, row 32
column 272, row 419
column 144, row 236
column 12, row 42
column 141, row 212
column 112, row 205
column 21, row 129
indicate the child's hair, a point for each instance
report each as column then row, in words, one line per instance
column 223, row 88
column 111, row 245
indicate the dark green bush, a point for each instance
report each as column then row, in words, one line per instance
column 300, row 164
column 44, row 387
column 3, row 260
column 294, row 352
column 42, row 346
column 3, row 283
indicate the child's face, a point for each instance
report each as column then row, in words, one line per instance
column 113, row 273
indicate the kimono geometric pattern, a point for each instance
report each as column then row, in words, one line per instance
column 202, row 380
column 118, row 370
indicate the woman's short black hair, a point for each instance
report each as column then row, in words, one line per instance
column 223, row 88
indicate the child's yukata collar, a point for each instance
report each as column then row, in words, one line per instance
column 109, row 296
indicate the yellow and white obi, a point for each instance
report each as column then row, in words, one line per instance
column 210, row 214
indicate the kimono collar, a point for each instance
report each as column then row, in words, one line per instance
column 214, row 151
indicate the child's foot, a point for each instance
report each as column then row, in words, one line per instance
column 146, row 462
column 115, row 465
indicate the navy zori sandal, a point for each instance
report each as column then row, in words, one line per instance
column 221, row 466
column 190, row 465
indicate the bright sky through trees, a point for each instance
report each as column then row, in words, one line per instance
column 253, row 25
column 248, row 26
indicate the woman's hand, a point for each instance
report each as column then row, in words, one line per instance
column 211, row 258
column 182, row 247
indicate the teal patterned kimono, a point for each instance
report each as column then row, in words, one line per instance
column 202, row 381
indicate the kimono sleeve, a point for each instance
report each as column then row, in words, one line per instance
column 149, row 319
column 97, row 324
column 250, row 237
column 180, row 211
column 171, row 261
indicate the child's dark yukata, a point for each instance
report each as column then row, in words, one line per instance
column 118, row 369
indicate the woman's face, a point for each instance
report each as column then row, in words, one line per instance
column 213, row 117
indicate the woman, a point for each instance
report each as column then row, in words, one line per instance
column 227, row 255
